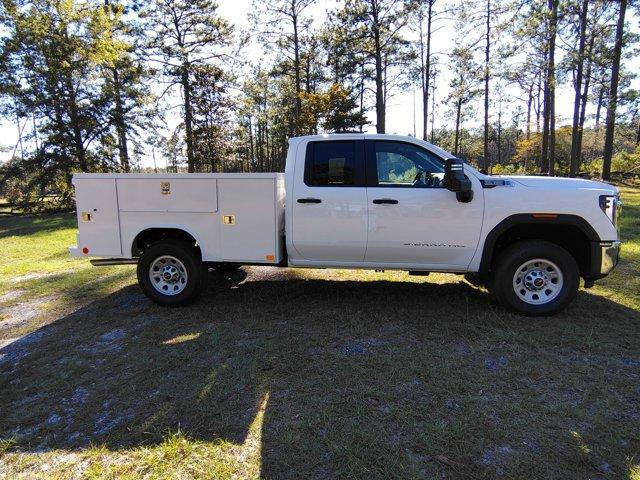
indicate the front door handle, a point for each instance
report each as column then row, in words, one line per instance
column 309, row 200
column 385, row 201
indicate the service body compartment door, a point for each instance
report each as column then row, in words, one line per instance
column 97, row 210
column 178, row 195
column 330, row 203
column 249, row 226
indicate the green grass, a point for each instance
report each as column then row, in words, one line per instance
column 309, row 374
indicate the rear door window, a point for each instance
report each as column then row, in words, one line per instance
column 334, row 164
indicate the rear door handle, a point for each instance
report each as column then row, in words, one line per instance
column 309, row 200
column 385, row 201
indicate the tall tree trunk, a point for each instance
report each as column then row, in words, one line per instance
column 267, row 150
column 529, row 101
column 499, row 134
column 423, row 80
column 78, row 144
column 433, row 113
column 72, row 111
column 537, row 104
column 35, row 132
column 599, row 105
column 544, row 167
column 613, row 95
column 260, row 151
column 20, row 134
column 307, row 74
column 210, row 141
column 251, row 148
column 553, row 4
column 575, row 153
column 188, row 117
column 361, row 91
column 380, row 100
column 121, row 128
column 583, row 101
column 456, row 148
column 296, row 66
column 486, row 89
column 426, row 71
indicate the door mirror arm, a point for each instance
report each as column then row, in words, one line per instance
column 456, row 181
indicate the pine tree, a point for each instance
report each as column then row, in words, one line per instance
column 375, row 27
column 575, row 135
column 613, row 93
column 283, row 24
column 464, row 88
column 342, row 112
column 184, row 34
column 212, row 109
column 124, row 77
column 47, row 65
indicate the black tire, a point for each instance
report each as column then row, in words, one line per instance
column 186, row 255
column 503, row 280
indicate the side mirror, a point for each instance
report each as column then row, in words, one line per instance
column 455, row 180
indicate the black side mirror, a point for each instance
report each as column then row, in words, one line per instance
column 455, row 180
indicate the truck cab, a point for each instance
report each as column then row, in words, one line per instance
column 357, row 201
column 371, row 201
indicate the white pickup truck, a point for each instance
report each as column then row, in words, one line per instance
column 356, row 201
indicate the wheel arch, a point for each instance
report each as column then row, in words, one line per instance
column 152, row 234
column 571, row 232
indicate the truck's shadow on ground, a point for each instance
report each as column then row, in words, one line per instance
column 345, row 377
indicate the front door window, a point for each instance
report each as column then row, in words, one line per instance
column 407, row 165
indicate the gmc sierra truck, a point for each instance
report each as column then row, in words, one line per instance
column 356, row 201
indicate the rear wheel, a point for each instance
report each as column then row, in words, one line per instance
column 535, row 278
column 170, row 273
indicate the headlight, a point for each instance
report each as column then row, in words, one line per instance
column 611, row 205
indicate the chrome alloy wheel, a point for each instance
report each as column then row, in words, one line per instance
column 168, row 275
column 538, row 281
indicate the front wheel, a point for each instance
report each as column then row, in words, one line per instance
column 535, row 278
column 170, row 273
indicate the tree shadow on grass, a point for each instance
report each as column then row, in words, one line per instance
column 31, row 224
column 363, row 379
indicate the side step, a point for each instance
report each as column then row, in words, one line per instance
column 103, row 262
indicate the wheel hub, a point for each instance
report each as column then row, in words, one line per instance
column 538, row 281
column 168, row 275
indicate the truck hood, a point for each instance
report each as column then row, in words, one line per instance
column 560, row 183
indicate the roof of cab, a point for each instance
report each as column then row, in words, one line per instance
column 373, row 136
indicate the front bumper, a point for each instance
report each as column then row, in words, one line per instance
column 604, row 258
column 610, row 255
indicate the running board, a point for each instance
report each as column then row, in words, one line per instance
column 103, row 262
